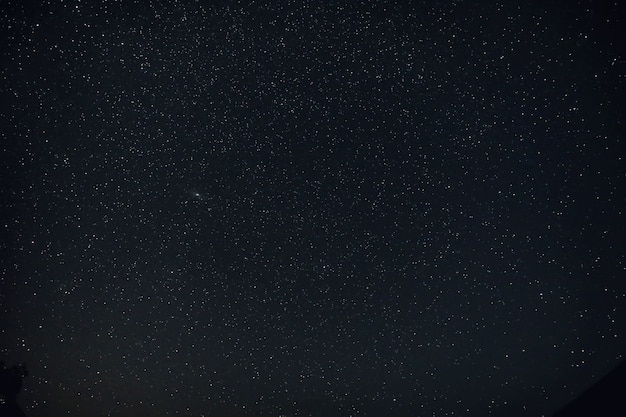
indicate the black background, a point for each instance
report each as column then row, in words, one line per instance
column 292, row 208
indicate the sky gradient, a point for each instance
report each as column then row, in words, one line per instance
column 311, row 209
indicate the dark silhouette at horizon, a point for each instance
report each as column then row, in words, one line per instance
column 10, row 386
column 603, row 398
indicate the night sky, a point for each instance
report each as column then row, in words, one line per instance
column 311, row 208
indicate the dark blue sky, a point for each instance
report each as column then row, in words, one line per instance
column 311, row 209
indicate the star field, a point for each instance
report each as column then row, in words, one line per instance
column 311, row 209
